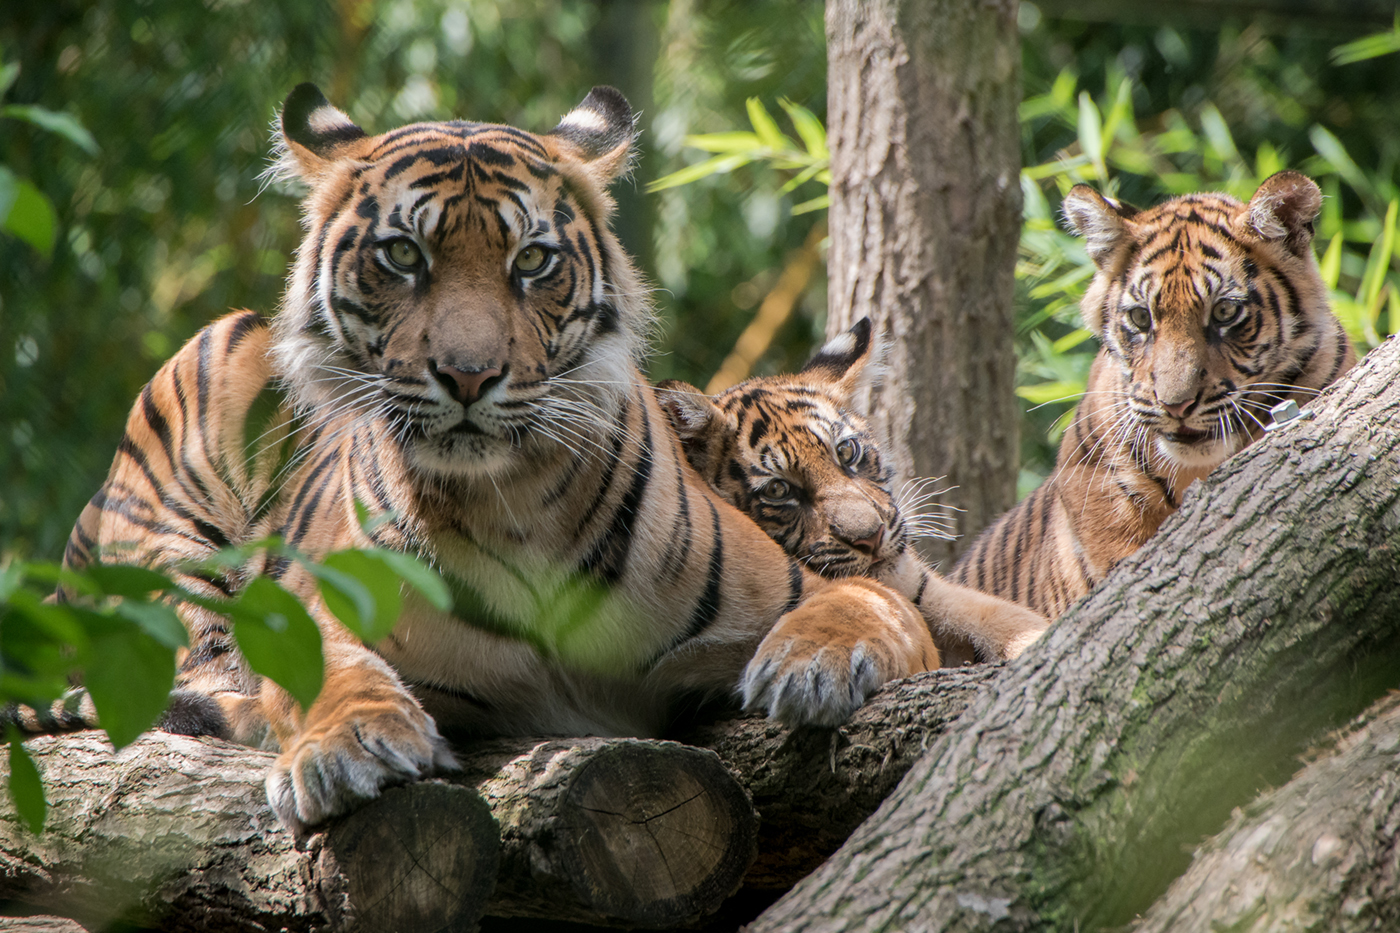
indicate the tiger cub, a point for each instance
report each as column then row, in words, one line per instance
column 1209, row 312
column 789, row 452
column 459, row 340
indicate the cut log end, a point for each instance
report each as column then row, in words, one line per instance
column 656, row 838
column 422, row 857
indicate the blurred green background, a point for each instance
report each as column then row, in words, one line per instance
column 133, row 132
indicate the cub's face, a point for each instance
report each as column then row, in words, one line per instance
column 786, row 451
column 1211, row 310
column 459, row 279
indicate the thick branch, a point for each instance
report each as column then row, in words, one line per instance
column 1319, row 853
column 1264, row 612
column 599, row 830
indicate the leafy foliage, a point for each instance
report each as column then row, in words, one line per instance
column 116, row 630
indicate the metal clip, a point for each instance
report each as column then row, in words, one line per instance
column 1284, row 413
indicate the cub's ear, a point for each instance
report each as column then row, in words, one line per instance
column 602, row 129
column 1099, row 220
column 314, row 131
column 1285, row 207
column 844, row 362
column 695, row 417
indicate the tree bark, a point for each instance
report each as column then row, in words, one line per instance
column 922, row 100
column 174, row 830
column 1263, row 613
column 1318, row 854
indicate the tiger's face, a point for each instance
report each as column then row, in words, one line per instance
column 461, row 282
column 788, row 452
column 1210, row 309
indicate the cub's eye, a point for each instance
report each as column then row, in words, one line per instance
column 776, row 489
column 1140, row 319
column 404, row 253
column 1226, row 313
column 531, row 259
column 848, row 451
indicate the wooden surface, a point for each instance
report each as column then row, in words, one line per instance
column 1264, row 613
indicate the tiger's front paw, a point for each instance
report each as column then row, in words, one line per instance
column 343, row 760
column 823, row 659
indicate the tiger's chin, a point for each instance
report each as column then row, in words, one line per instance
column 1204, row 453
column 460, row 454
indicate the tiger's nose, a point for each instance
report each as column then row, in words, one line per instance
column 869, row 544
column 464, row 385
column 1180, row 410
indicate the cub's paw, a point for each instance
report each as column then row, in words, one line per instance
column 342, row 760
column 1025, row 631
column 823, row 659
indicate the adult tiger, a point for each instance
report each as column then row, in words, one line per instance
column 460, row 335
column 791, row 453
column 1209, row 312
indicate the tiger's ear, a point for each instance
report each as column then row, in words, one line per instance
column 1099, row 220
column 315, row 132
column 1285, row 207
column 843, row 362
column 602, row 129
column 694, row 416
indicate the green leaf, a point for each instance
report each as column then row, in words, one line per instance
column 129, row 674
column 27, row 213
column 820, row 203
column 1218, row 133
column 8, row 74
column 26, row 790
column 360, row 590
column 809, row 128
column 765, row 126
column 127, row 580
column 719, row 165
column 63, row 124
column 735, row 141
column 1331, row 265
column 1046, row 392
column 1372, row 46
column 157, row 620
column 278, row 638
column 419, row 576
column 1091, row 133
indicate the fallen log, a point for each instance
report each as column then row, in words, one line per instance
column 176, row 832
column 1318, row 853
column 605, row 831
column 1264, row 613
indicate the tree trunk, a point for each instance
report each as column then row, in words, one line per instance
column 1319, row 853
column 1264, row 612
column 922, row 100
column 173, row 830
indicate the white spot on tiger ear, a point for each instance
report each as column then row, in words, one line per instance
column 588, row 120
column 840, row 346
column 328, row 119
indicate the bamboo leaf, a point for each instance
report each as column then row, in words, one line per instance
column 765, row 126
column 62, row 124
column 719, row 165
column 1331, row 265
column 809, row 128
column 1091, row 133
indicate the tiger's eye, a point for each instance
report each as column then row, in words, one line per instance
column 404, row 253
column 531, row 259
column 848, row 451
column 1139, row 318
column 1226, row 312
column 776, row 489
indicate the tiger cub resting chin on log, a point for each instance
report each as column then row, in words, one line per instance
column 789, row 452
column 1210, row 312
column 459, row 342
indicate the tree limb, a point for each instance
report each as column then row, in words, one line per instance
column 1263, row 613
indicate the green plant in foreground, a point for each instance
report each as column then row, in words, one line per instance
column 120, row 634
